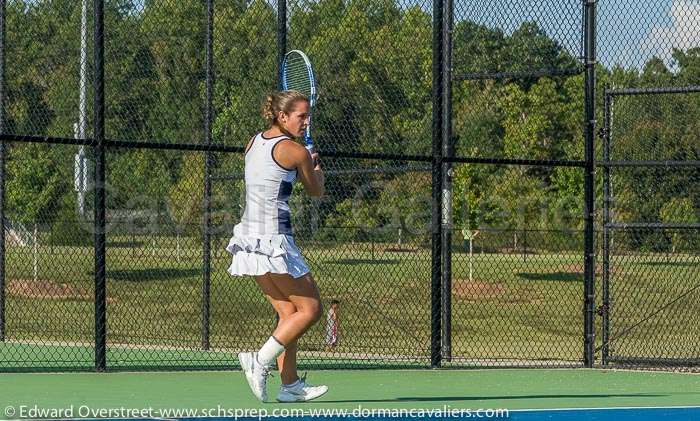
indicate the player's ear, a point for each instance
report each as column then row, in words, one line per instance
column 282, row 117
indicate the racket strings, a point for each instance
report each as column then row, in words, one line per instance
column 297, row 75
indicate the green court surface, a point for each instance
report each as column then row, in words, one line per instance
column 493, row 388
column 40, row 357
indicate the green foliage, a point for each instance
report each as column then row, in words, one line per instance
column 187, row 194
column 70, row 229
column 36, row 182
column 244, row 53
column 174, row 63
column 537, row 121
column 373, row 60
column 380, row 207
column 140, row 179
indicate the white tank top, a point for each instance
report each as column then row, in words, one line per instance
column 268, row 186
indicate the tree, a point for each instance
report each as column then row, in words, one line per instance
column 138, row 185
column 521, row 198
column 689, row 65
column 537, row 122
column 245, row 64
column 34, row 188
column 186, row 196
column 35, row 183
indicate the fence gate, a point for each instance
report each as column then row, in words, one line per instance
column 651, row 231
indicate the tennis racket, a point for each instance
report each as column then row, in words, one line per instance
column 298, row 75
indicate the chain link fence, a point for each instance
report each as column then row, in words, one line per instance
column 457, row 144
column 650, row 227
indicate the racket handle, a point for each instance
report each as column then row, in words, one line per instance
column 312, row 151
column 309, row 142
column 310, row 147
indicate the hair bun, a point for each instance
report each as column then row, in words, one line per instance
column 277, row 102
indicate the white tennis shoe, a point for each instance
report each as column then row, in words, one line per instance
column 255, row 373
column 301, row 392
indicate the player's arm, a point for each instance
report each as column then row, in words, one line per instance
column 292, row 155
column 311, row 175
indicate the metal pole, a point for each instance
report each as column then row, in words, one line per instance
column 99, row 151
column 606, row 230
column 2, row 171
column 589, row 252
column 281, row 51
column 281, row 38
column 206, row 234
column 448, row 151
column 82, row 111
column 436, row 239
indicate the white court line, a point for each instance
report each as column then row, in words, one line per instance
column 604, row 408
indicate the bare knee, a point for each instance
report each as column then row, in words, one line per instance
column 286, row 312
column 315, row 311
column 311, row 312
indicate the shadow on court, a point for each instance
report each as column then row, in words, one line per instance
column 353, row 262
column 124, row 244
column 145, row 275
column 670, row 263
column 553, row 276
column 490, row 398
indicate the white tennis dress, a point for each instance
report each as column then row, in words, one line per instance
column 262, row 242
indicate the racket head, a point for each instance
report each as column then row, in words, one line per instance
column 298, row 75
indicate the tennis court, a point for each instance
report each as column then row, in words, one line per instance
column 527, row 394
column 510, row 226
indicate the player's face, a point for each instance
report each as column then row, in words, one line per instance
column 296, row 121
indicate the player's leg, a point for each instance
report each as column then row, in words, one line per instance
column 287, row 361
column 303, row 293
column 256, row 365
column 287, row 364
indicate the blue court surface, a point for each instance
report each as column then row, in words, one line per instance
column 574, row 414
column 579, row 414
column 617, row 414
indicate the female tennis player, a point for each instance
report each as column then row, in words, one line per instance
column 263, row 246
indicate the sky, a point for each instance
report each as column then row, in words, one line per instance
column 629, row 31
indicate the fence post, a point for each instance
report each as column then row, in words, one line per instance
column 281, row 37
column 589, row 252
column 206, row 231
column 606, row 229
column 448, row 151
column 436, row 231
column 99, row 152
column 2, row 171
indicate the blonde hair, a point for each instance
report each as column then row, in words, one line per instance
column 280, row 101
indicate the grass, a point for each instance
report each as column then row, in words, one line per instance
column 514, row 307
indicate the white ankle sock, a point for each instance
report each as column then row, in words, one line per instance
column 288, row 386
column 270, row 351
